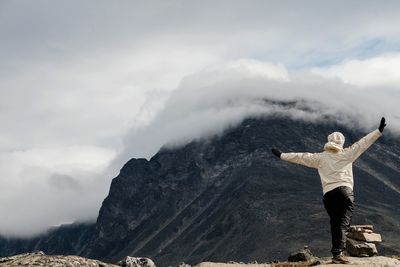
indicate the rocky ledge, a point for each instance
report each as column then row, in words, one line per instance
column 41, row 259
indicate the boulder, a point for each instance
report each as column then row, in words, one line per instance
column 301, row 255
column 360, row 249
column 136, row 262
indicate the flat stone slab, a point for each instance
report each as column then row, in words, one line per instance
column 368, row 237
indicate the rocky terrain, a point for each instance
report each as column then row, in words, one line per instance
column 41, row 259
column 378, row 261
column 227, row 198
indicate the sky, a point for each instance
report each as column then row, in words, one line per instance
column 87, row 85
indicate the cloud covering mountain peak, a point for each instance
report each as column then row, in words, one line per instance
column 220, row 96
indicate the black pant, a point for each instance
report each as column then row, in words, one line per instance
column 339, row 205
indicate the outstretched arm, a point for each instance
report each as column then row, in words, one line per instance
column 307, row 159
column 354, row 151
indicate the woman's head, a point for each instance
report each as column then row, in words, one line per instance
column 335, row 142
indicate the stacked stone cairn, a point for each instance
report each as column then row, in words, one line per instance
column 361, row 241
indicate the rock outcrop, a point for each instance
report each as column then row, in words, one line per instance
column 136, row 262
column 304, row 255
column 41, row 259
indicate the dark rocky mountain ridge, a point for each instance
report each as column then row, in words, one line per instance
column 228, row 198
column 64, row 239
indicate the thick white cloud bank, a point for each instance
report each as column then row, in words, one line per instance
column 208, row 102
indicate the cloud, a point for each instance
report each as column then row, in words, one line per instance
column 43, row 187
column 208, row 102
column 62, row 123
column 61, row 130
column 380, row 71
column 289, row 32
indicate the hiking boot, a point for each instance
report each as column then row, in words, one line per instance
column 340, row 259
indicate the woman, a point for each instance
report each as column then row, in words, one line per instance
column 334, row 166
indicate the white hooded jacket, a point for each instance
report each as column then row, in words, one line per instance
column 335, row 163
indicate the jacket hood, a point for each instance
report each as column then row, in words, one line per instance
column 335, row 142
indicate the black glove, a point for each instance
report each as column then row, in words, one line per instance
column 276, row 152
column 382, row 125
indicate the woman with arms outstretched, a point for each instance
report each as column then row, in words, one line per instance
column 334, row 166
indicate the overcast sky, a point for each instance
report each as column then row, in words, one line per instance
column 86, row 85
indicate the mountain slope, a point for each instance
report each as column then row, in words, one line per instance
column 65, row 239
column 228, row 198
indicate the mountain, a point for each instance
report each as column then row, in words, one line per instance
column 227, row 198
column 64, row 239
